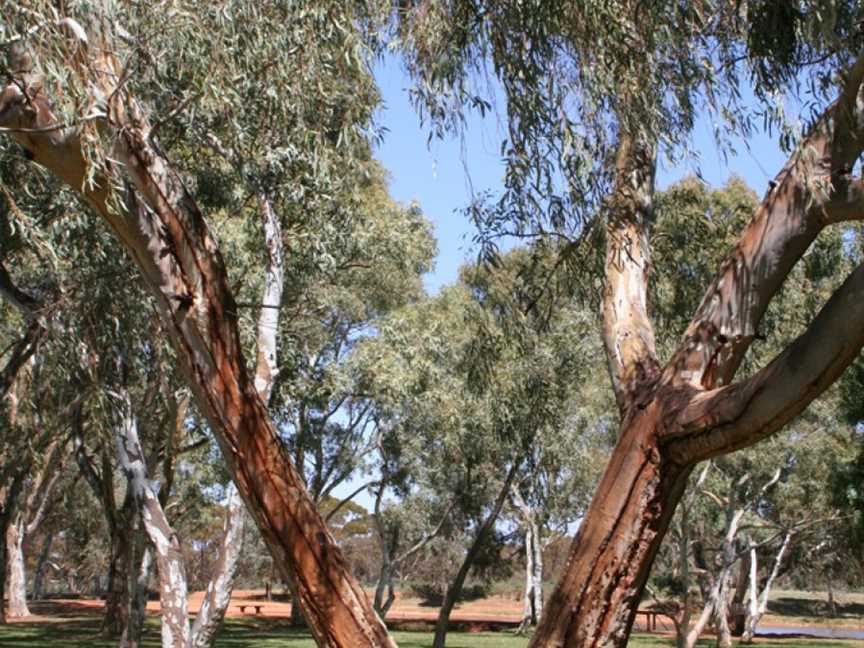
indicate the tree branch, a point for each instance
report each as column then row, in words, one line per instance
column 812, row 190
column 722, row 420
column 347, row 499
column 266, row 366
column 21, row 353
column 425, row 539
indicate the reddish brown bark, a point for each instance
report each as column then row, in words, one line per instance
column 689, row 412
column 168, row 238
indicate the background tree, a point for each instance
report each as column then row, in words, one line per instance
column 593, row 92
column 192, row 278
column 710, row 219
column 477, row 384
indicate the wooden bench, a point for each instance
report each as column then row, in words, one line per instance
column 651, row 618
column 250, row 605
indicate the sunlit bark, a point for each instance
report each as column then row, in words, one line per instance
column 167, row 236
column 691, row 411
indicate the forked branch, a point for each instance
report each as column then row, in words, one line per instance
column 812, row 190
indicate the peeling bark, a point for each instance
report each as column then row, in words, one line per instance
column 168, row 238
column 628, row 334
column 26, row 522
column 9, row 493
column 267, row 367
column 17, row 579
column 175, row 627
column 172, row 572
column 595, row 601
column 691, row 411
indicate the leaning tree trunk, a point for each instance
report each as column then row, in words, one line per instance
column 455, row 588
column 167, row 236
column 691, row 410
column 613, row 550
column 721, row 615
column 708, row 611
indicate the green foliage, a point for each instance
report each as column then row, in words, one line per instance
column 568, row 77
column 694, row 230
column 484, row 377
column 266, row 634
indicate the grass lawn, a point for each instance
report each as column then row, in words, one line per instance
column 83, row 633
column 811, row 608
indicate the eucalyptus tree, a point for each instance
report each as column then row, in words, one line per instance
column 554, row 489
column 36, row 402
column 375, row 268
column 473, row 386
column 40, row 496
column 750, row 516
column 25, row 436
column 690, row 212
column 541, row 377
column 301, row 98
column 594, row 90
column 417, row 372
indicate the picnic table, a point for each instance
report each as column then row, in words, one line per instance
column 243, row 607
column 651, row 618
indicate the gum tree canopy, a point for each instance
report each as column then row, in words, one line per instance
column 592, row 91
column 100, row 93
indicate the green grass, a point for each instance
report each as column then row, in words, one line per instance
column 263, row 634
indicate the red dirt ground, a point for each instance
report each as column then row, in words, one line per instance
column 489, row 613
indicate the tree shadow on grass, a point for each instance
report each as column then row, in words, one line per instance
column 808, row 607
column 66, row 634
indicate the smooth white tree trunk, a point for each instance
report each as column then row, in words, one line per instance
column 218, row 594
column 757, row 609
column 26, row 521
column 532, row 597
column 17, row 579
column 176, row 632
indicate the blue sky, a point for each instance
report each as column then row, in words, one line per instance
column 440, row 176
